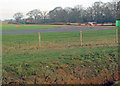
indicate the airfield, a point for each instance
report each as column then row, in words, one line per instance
column 58, row 55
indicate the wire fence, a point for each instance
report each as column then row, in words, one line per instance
column 79, row 38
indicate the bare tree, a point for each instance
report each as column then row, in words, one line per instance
column 35, row 14
column 18, row 17
column 118, row 9
column 44, row 16
column 58, row 14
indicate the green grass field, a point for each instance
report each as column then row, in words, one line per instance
column 60, row 59
column 6, row 27
column 61, row 38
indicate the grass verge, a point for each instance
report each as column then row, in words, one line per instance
column 7, row 27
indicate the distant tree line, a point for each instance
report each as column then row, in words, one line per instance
column 99, row 12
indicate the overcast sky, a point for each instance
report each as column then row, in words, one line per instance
column 9, row 7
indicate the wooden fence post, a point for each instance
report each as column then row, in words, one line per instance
column 39, row 39
column 81, row 38
column 116, row 35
